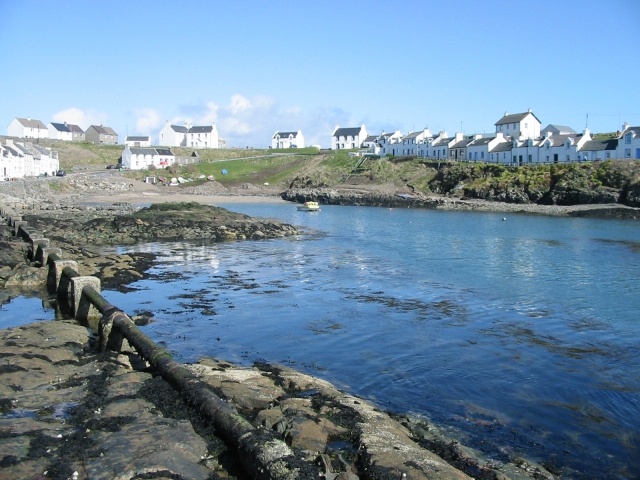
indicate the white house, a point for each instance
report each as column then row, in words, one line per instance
column 486, row 149
column 202, row 137
column 560, row 148
column 599, row 149
column 519, row 125
column 142, row 158
column 411, row 141
column 27, row 128
column 629, row 143
column 172, row 135
column 436, row 147
column 59, row 131
column 11, row 165
column 205, row 136
column 26, row 159
column 65, row 131
column 142, row 141
column 348, row 137
column 389, row 143
column 458, row 150
column 501, row 152
column 287, row 140
column 47, row 160
column 527, row 151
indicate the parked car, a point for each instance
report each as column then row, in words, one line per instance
column 60, row 173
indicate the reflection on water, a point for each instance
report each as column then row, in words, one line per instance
column 520, row 336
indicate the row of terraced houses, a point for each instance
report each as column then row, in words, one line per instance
column 518, row 140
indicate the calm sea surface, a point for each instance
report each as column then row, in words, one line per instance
column 519, row 336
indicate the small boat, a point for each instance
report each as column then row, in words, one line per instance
column 309, row 207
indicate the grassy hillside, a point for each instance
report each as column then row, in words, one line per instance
column 590, row 182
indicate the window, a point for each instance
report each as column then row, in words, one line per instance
column 530, row 159
column 627, row 153
column 627, row 138
column 608, row 154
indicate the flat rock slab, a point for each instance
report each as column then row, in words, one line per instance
column 65, row 409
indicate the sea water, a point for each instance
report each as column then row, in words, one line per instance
column 516, row 333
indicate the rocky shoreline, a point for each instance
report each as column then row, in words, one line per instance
column 373, row 197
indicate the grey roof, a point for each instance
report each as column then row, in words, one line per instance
column 635, row 130
column 74, row 128
column 103, row 130
column 481, row 141
column 559, row 128
column 599, row 145
column 558, row 140
column 462, row 143
column 502, row 147
column 144, row 151
column 137, row 139
column 444, row 141
column 179, row 129
column 285, row 134
column 347, row 132
column 203, row 129
column 413, row 134
column 23, row 149
column 371, row 138
column 31, row 123
column 42, row 150
column 514, row 118
column 151, row 151
column 11, row 150
column 61, row 127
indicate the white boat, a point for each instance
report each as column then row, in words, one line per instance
column 309, row 207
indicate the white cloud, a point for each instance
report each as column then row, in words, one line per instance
column 147, row 119
column 82, row 118
column 252, row 121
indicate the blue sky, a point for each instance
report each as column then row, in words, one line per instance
column 255, row 67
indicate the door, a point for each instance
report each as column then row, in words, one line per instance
column 637, row 152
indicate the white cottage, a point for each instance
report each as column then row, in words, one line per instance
column 412, row 140
column 173, row 135
column 140, row 158
column 487, row 149
column 390, row 143
column 561, row 148
column 65, row 131
column 348, row 137
column 27, row 128
column 436, row 147
column 519, row 125
column 59, row 131
column 19, row 160
column 629, row 143
column 205, row 136
column 140, row 141
column 599, row 149
column 287, row 140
